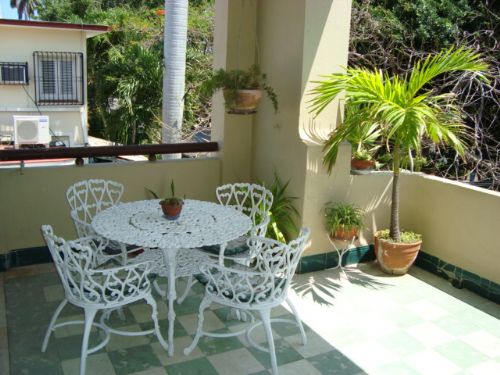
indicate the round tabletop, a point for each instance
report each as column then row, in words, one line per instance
column 142, row 223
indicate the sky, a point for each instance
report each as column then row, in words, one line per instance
column 6, row 11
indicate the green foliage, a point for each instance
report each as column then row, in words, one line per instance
column 402, row 107
column 345, row 216
column 234, row 80
column 406, row 236
column 283, row 214
column 125, row 65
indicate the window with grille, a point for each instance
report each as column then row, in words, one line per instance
column 59, row 78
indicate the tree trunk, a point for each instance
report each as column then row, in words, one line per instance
column 394, row 230
column 174, row 72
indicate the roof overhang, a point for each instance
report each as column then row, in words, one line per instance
column 90, row 30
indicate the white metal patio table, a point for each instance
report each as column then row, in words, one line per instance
column 142, row 223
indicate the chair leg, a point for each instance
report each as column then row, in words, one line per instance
column 50, row 328
column 89, row 319
column 205, row 303
column 154, row 315
column 189, row 285
column 161, row 293
column 266, row 321
column 299, row 321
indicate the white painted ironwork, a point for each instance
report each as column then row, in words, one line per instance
column 200, row 223
column 260, row 287
column 342, row 249
column 95, row 289
column 89, row 197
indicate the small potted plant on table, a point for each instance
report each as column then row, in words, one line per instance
column 172, row 206
column 343, row 220
column 242, row 89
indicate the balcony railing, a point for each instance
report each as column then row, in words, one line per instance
column 84, row 152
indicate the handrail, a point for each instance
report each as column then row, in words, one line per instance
column 84, row 152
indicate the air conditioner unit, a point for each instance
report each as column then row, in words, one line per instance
column 13, row 73
column 31, row 130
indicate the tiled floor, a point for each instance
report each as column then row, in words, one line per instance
column 360, row 321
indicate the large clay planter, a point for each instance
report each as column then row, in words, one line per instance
column 171, row 211
column 344, row 234
column 245, row 103
column 362, row 164
column 395, row 258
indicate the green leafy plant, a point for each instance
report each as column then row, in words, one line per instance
column 234, row 80
column 344, row 216
column 401, row 106
column 172, row 200
column 283, row 214
column 406, row 236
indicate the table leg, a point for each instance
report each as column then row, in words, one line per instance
column 170, row 257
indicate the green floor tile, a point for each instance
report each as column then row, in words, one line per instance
column 179, row 330
column 334, row 362
column 396, row 368
column 70, row 347
column 200, row 366
column 461, row 354
column 130, row 360
column 401, row 343
column 215, row 345
column 190, row 305
column 455, row 325
column 285, row 353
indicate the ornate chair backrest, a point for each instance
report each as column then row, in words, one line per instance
column 84, row 284
column 89, row 197
column 279, row 261
column 72, row 263
column 251, row 199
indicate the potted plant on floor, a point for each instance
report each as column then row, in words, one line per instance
column 242, row 89
column 406, row 112
column 343, row 220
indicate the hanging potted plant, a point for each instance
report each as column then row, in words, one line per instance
column 406, row 112
column 242, row 89
column 343, row 220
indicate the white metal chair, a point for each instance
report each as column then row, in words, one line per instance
column 251, row 199
column 95, row 289
column 89, row 197
column 259, row 287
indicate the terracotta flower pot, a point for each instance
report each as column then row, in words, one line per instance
column 344, row 234
column 362, row 164
column 395, row 258
column 171, row 211
column 245, row 103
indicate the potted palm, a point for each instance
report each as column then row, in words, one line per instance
column 343, row 220
column 406, row 112
column 242, row 89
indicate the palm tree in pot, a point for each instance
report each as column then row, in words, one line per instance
column 406, row 112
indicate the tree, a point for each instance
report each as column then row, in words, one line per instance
column 25, row 8
column 175, row 44
column 403, row 107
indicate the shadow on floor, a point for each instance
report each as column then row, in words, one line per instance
column 321, row 288
column 32, row 298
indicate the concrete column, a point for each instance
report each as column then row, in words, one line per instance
column 234, row 48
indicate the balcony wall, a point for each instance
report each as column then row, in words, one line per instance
column 34, row 196
column 460, row 223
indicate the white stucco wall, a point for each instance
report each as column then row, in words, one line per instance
column 17, row 44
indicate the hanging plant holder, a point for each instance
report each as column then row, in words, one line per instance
column 242, row 102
